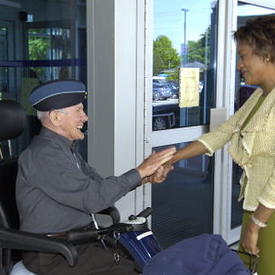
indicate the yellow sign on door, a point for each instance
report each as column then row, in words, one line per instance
column 189, row 87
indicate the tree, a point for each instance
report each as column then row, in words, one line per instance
column 39, row 46
column 198, row 51
column 165, row 56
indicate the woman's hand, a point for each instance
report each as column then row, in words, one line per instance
column 151, row 164
column 251, row 233
column 250, row 238
column 161, row 174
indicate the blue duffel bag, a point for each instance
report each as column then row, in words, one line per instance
column 203, row 254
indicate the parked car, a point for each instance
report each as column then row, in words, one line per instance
column 165, row 116
column 161, row 91
column 174, row 86
column 156, row 94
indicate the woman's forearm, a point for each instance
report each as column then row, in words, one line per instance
column 194, row 149
column 263, row 213
column 259, row 219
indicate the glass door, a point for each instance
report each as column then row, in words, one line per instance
column 183, row 92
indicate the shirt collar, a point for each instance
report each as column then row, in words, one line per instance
column 63, row 141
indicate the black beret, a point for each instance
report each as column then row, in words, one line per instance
column 57, row 94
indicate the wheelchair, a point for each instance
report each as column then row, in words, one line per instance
column 134, row 235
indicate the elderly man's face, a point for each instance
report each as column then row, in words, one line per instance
column 72, row 121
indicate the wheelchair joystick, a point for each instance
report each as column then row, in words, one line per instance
column 132, row 217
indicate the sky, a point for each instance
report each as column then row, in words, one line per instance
column 169, row 18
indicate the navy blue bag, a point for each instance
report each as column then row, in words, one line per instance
column 203, row 254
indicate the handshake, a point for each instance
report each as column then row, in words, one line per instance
column 155, row 168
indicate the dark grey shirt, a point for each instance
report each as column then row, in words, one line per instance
column 57, row 190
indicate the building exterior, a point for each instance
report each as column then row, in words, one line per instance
column 113, row 46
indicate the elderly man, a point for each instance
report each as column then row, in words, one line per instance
column 57, row 190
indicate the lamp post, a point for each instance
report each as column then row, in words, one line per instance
column 184, row 37
column 184, row 111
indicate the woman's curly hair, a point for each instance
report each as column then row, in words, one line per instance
column 259, row 33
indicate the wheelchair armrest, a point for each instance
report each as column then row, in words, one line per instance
column 113, row 212
column 80, row 236
column 20, row 240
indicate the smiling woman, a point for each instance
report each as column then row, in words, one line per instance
column 251, row 134
column 255, row 43
column 256, row 54
column 251, row 64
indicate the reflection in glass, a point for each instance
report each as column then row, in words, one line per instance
column 183, row 204
column 52, row 46
column 183, row 63
column 3, row 56
column 3, row 43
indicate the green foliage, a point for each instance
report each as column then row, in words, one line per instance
column 174, row 75
column 166, row 59
column 165, row 56
column 198, row 51
column 39, row 46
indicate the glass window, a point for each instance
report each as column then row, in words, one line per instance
column 49, row 44
column 183, row 62
column 47, row 41
column 3, row 56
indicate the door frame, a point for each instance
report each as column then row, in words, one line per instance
column 224, row 97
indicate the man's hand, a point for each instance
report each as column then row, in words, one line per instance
column 161, row 174
column 151, row 164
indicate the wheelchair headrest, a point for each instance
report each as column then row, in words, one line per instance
column 13, row 119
